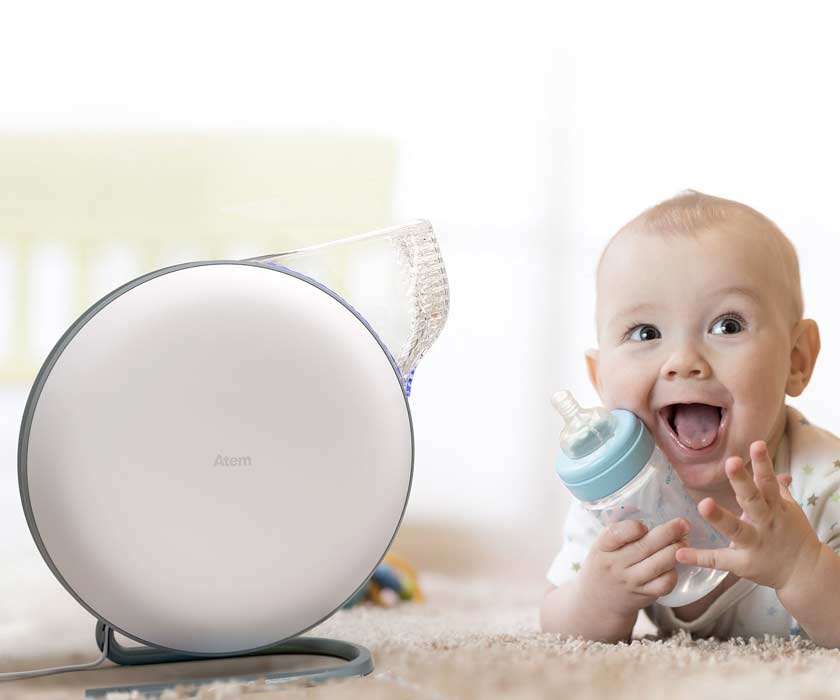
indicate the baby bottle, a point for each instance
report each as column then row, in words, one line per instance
column 610, row 463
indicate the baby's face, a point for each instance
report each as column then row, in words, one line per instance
column 695, row 321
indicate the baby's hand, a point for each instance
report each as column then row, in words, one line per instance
column 628, row 567
column 772, row 542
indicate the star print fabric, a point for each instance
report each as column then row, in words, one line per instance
column 579, row 533
column 815, row 467
column 812, row 456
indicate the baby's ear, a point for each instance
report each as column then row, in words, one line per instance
column 592, row 368
column 803, row 355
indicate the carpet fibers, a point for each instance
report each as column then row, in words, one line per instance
column 480, row 639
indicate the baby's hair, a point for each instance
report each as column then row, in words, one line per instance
column 690, row 212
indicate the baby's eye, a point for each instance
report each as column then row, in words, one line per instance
column 643, row 328
column 728, row 325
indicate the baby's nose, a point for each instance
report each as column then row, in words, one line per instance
column 686, row 363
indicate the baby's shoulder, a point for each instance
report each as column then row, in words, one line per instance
column 814, row 455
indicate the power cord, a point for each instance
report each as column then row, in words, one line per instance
column 18, row 675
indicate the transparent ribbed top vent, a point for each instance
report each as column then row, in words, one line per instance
column 394, row 277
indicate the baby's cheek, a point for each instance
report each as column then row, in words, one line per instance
column 624, row 386
column 756, row 378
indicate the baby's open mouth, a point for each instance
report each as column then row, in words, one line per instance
column 695, row 426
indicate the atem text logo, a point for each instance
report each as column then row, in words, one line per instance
column 224, row 461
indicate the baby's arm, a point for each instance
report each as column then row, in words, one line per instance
column 565, row 610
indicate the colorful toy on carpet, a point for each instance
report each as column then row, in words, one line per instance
column 393, row 580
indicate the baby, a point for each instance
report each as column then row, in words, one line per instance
column 701, row 334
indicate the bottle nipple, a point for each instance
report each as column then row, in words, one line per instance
column 585, row 429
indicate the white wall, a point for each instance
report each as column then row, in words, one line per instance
column 526, row 137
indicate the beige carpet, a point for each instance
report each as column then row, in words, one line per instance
column 480, row 639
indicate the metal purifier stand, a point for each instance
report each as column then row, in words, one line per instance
column 358, row 662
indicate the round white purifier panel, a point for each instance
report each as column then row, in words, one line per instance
column 216, row 456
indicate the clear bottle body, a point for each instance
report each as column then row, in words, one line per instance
column 654, row 496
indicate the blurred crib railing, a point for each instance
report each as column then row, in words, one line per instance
column 160, row 198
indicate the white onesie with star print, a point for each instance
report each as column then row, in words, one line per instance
column 812, row 456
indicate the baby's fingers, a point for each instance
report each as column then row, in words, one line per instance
column 784, row 487
column 618, row 534
column 656, row 564
column 738, row 531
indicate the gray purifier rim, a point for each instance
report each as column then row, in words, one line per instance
column 30, row 413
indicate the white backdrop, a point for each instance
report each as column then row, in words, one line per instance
column 526, row 137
